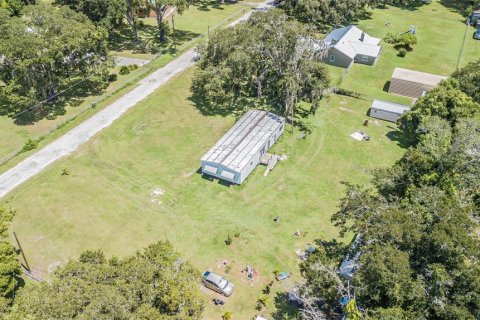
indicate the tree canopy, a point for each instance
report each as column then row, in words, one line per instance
column 155, row 283
column 48, row 49
column 9, row 265
column 267, row 62
column 108, row 13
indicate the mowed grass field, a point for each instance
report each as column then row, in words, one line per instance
column 137, row 182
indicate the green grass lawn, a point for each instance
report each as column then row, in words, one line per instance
column 440, row 34
column 137, row 181
column 194, row 20
column 107, row 200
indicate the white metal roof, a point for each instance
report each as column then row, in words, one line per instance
column 352, row 41
column 417, row 76
column 390, row 106
column 245, row 139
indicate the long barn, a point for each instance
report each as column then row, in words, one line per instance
column 239, row 151
column 412, row 83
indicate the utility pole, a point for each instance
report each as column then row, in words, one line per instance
column 21, row 251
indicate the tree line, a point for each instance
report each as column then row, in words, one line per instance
column 418, row 223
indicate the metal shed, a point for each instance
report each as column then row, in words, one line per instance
column 388, row 111
column 239, row 151
column 412, row 83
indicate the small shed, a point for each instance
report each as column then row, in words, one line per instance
column 239, row 151
column 412, row 83
column 388, row 111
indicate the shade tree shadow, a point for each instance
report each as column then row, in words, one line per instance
column 283, row 309
column 207, row 5
column 399, row 137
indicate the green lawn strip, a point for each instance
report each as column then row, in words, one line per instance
column 14, row 136
column 108, row 199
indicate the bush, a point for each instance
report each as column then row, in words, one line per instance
column 112, row 77
column 30, row 145
column 227, row 316
column 348, row 93
column 391, row 38
column 127, row 69
column 237, row 235
column 402, row 52
column 266, row 290
column 228, row 241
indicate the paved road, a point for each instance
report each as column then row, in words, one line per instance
column 69, row 142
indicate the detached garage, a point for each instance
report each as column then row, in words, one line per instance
column 412, row 83
column 239, row 151
column 388, row 111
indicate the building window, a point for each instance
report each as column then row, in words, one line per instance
column 364, row 58
column 332, row 58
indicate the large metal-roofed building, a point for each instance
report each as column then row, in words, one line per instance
column 239, row 151
column 413, row 83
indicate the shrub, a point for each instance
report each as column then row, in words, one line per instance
column 127, row 69
column 276, row 272
column 112, row 77
column 402, row 52
column 348, row 93
column 266, row 290
column 30, row 145
column 228, row 241
column 227, row 316
column 237, row 235
column 391, row 38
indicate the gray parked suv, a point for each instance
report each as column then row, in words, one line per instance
column 216, row 283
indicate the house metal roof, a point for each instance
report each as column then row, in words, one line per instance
column 390, row 106
column 417, row 76
column 245, row 139
column 349, row 40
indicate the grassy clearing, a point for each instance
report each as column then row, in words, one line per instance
column 13, row 136
column 107, row 202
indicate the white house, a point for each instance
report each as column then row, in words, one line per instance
column 351, row 44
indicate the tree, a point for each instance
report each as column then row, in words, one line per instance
column 325, row 13
column 15, row 6
column 9, row 265
column 155, row 283
column 161, row 7
column 267, row 62
column 132, row 7
column 469, row 80
column 446, row 101
column 107, row 13
column 46, row 51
